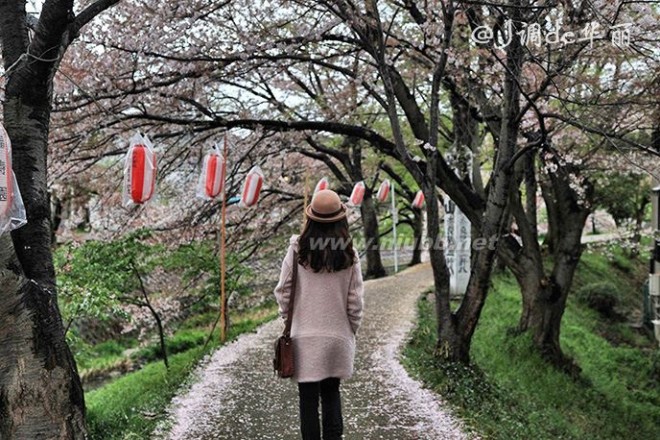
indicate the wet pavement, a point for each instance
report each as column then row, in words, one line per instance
column 235, row 395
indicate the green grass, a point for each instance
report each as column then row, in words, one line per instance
column 510, row 393
column 131, row 406
column 181, row 341
column 101, row 354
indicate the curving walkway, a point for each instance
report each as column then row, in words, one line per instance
column 235, row 395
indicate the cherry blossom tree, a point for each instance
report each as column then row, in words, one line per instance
column 311, row 67
column 587, row 121
column 337, row 47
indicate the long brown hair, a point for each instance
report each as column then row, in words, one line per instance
column 326, row 246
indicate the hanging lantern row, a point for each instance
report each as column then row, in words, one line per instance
column 357, row 195
column 383, row 191
column 321, row 185
column 418, row 201
column 140, row 171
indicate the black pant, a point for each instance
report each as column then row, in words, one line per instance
column 333, row 425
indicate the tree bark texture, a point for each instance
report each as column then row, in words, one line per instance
column 547, row 309
column 375, row 267
column 40, row 391
column 469, row 311
column 544, row 294
column 418, row 230
column 455, row 330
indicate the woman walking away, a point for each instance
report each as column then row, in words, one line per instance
column 327, row 312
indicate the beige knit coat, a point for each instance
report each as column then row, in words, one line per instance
column 327, row 313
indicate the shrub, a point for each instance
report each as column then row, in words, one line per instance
column 602, row 297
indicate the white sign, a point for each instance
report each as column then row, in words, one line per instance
column 457, row 249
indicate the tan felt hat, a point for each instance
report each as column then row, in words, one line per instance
column 326, row 207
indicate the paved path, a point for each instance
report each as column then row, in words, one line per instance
column 235, row 395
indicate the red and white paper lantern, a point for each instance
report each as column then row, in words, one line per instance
column 140, row 171
column 323, row 184
column 6, row 177
column 383, row 191
column 357, row 194
column 212, row 180
column 12, row 210
column 418, row 201
column 252, row 187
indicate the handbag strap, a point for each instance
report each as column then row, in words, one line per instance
column 289, row 316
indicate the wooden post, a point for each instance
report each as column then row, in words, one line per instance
column 223, row 295
column 306, row 193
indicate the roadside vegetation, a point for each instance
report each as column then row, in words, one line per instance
column 132, row 303
column 131, row 406
column 509, row 392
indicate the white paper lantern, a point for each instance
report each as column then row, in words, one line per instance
column 252, row 187
column 140, row 171
column 383, row 191
column 357, row 194
column 418, row 201
column 321, row 185
column 6, row 177
column 212, row 179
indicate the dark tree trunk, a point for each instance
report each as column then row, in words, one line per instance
column 40, row 391
column 636, row 237
column 544, row 302
column 418, row 229
column 544, row 296
column 468, row 313
column 455, row 330
column 375, row 267
column 450, row 346
column 548, row 307
column 155, row 314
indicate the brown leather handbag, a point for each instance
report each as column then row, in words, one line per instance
column 283, row 361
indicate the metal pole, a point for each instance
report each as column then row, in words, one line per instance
column 655, row 216
column 223, row 296
column 394, row 221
